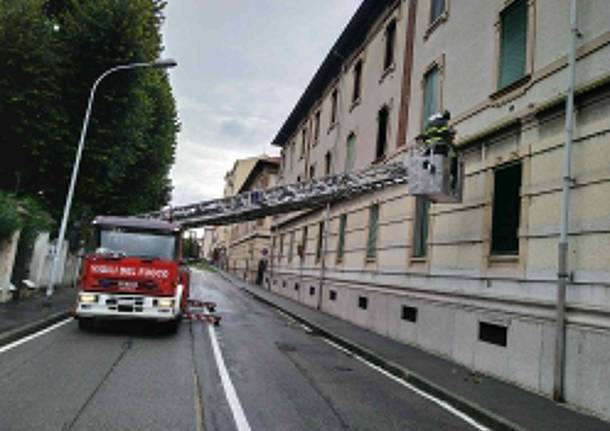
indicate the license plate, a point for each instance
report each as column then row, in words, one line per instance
column 127, row 284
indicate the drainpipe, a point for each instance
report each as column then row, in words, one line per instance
column 323, row 257
column 563, row 273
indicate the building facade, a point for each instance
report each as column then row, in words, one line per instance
column 250, row 242
column 475, row 282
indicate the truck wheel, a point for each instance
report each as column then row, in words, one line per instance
column 85, row 324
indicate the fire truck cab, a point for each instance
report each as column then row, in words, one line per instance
column 133, row 273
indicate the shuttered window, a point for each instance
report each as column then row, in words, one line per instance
column 320, row 241
column 341, row 239
column 431, row 95
column 304, row 244
column 350, row 156
column 436, row 9
column 371, row 244
column 291, row 247
column 513, row 43
column 420, row 229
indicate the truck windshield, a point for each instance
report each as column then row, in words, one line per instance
column 138, row 244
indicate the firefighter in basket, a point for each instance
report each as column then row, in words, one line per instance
column 438, row 139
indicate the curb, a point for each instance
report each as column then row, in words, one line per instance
column 23, row 331
column 476, row 411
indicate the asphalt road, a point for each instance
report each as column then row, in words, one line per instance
column 132, row 377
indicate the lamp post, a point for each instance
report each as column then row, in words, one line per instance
column 167, row 63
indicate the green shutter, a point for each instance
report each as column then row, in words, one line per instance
column 513, row 43
column 431, row 95
column 420, row 230
column 436, row 9
column 341, row 241
column 371, row 246
column 320, row 239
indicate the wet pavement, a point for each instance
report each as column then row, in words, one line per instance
column 135, row 377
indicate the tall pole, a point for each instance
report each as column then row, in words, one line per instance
column 79, row 152
column 563, row 273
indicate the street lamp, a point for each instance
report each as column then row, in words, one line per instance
column 162, row 64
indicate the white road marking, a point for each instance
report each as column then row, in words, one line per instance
column 241, row 422
column 34, row 335
column 409, row 386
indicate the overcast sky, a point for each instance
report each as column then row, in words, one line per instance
column 242, row 65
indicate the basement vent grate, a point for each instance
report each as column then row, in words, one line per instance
column 409, row 313
column 493, row 334
column 363, row 302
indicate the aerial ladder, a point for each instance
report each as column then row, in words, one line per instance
column 432, row 169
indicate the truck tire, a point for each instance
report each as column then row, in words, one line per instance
column 85, row 324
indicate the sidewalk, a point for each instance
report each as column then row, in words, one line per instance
column 496, row 404
column 25, row 316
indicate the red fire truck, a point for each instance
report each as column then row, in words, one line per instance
column 134, row 273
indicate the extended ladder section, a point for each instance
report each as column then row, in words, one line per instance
column 311, row 194
column 437, row 177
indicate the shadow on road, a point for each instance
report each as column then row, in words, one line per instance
column 133, row 328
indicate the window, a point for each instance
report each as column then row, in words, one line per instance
column 493, row 334
column 506, row 210
column 312, row 291
column 304, row 244
column 320, row 241
column 437, row 8
column 409, row 313
column 312, row 172
column 390, row 36
column 357, row 81
column 296, row 286
column 332, row 295
column 420, row 228
column 513, row 43
column 341, row 237
column 333, row 106
column 431, row 94
column 303, row 141
column 382, row 132
column 316, row 127
column 371, row 244
column 363, row 302
column 298, row 178
column 292, row 151
column 350, row 153
column 291, row 246
column 328, row 162
column 281, row 245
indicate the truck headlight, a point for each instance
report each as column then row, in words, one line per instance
column 166, row 303
column 87, row 298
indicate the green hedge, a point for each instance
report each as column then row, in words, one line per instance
column 10, row 219
column 24, row 213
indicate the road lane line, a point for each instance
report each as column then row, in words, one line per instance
column 238, row 413
column 34, row 335
column 469, row 420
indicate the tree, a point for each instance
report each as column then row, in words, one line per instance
column 55, row 49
